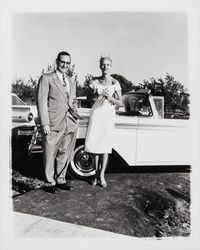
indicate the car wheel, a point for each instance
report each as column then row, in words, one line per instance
column 82, row 164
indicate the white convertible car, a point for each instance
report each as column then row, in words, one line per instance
column 142, row 136
column 22, row 117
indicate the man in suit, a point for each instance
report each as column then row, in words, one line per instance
column 57, row 112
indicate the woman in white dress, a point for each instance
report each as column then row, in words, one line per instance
column 99, row 136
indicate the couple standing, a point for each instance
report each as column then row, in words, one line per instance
column 57, row 110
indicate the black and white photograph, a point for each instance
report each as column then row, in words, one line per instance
column 101, row 149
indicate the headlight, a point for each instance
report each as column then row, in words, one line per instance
column 30, row 117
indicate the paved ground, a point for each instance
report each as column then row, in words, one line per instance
column 32, row 226
column 133, row 204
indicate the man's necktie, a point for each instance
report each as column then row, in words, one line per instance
column 65, row 86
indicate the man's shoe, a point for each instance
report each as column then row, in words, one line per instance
column 64, row 186
column 50, row 189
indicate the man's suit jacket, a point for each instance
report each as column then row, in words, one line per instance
column 52, row 102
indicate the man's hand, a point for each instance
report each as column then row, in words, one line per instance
column 75, row 104
column 46, row 129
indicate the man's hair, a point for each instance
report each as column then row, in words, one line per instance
column 62, row 53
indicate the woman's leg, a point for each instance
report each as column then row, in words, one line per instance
column 104, row 160
column 94, row 181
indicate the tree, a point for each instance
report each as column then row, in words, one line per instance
column 26, row 90
column 176, row 96
column 124, row 83
column 80, row 91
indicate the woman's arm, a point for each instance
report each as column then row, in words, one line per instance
column 115, row 99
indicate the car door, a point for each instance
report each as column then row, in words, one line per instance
column 125, row 137
column 161, row 141
column 125, row 134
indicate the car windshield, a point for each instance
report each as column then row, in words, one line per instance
column 137, row 105
column 16, row 101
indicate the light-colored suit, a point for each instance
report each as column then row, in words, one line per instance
column 53, row 110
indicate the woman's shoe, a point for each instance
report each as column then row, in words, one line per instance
column 102, row 183
column 93, row 182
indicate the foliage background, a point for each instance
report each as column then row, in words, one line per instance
column 176, row 96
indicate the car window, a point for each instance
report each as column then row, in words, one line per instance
column 137, row 105
column 159, row 103
column 17, row 101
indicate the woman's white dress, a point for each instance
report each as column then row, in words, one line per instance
column 99, row 138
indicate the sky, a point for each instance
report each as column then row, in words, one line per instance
column 141, row 44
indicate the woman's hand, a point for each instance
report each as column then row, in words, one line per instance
column 110, row 99
column 103, row 94
column 115, row 100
